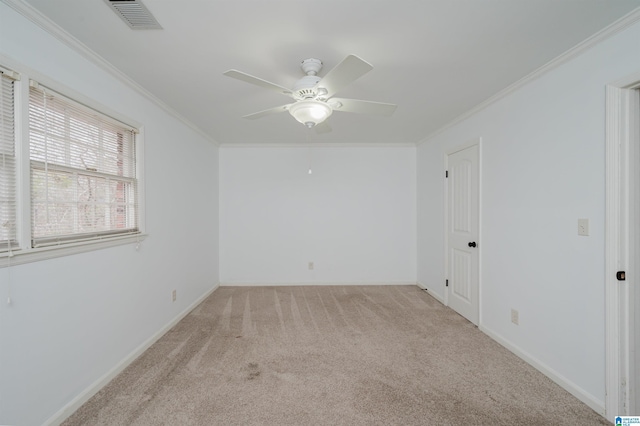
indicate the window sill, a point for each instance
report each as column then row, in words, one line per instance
column 20, row 257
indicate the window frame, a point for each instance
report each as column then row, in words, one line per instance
column 24, row 252
column 12, row 238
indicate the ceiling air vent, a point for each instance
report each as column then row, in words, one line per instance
column 134, row 14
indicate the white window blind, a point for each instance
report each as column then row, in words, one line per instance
column 7, row 164
column 83, row 172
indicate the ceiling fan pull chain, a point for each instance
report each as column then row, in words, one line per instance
column 309, row 153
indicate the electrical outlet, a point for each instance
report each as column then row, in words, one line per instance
column 515, row 316
column 310, row 266
column 583, row 227
column 173, row 295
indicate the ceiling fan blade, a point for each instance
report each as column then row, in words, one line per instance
column 269, row 111
column 247, row 78
column 362, row 107
column 349, row 70
column 322, row 128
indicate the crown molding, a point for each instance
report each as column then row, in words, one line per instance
column 616, row 27
column 317, row 145
column 42, row 21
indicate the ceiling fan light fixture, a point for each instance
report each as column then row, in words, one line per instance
column 310, row 112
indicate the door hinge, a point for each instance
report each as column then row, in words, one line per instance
column 620, row 275
column 446, row 173
column 446, row 283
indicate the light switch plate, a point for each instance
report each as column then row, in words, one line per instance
column 583, row 227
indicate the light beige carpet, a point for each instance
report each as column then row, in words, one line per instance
column 371, row 355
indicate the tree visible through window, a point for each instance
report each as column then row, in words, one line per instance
column 83, row 179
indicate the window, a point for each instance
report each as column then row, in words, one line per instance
column 83, row 172
column 69, row 172
column 7, row 163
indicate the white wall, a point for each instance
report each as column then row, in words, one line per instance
column 354, row 217
column 73, row 319
column 543, row 168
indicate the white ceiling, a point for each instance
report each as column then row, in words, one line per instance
column 436, row 59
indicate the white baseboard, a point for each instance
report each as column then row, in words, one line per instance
column 282, row 284
column 84, row 396
column 594, row 403
column 431, row 293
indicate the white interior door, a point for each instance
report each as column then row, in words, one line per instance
column 622, row 248
column 634, row 256
column 635, row 409
column 635, row 337
column 462, row 233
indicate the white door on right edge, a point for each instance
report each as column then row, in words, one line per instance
column 462, row 233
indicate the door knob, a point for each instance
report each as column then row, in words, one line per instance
column 472, row 244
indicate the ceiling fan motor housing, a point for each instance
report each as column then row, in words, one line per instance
column 303, row 89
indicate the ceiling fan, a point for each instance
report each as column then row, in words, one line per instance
column 313, row 96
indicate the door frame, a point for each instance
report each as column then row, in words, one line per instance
column 619, row 182
column 472, row 142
